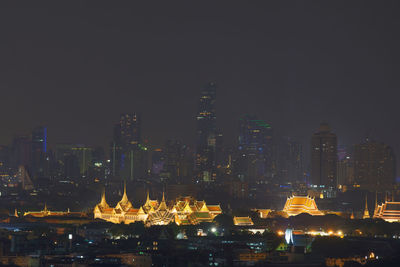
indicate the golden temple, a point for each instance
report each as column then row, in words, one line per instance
column 183, row 211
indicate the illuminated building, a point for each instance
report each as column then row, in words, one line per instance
column 190, row 211
column 366, row 211
column 255, row 160
column 263, row 213
column 388, row 211
column 374, row 166
column 160, row 216
column 46, row 213
column 324, row 157
column 301, row 204
column 206, row 134
column 183, row 211
column 242, row 221
column 123, row 211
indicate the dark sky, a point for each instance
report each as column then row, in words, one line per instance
column 75, row 67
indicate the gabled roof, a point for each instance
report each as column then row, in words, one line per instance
column 242, row 221
column 388, row 211
column 301, row 204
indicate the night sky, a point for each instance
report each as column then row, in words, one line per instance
column 75, row 67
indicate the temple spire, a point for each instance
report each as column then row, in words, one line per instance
column 366, row 212
column 103, row 202
column 148, row 197
column 124, row 196
column 163, row 205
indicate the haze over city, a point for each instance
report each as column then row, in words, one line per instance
column 199, row 134
column 75, row 68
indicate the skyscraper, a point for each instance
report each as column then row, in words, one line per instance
column 130, row 130
column 128, row 155
column 324, row 157
column 39, row 150
column 255, row 161
column 21, row 152
column 374, row 166
column 206, row 134
column 290, row 160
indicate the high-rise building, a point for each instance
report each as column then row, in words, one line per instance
column 374, row 166
column 21, row 153
column 324, row 157
column 130, row 130
column 75, row 158
column 126, row 148
column 39, row 150
column 116, row 152
column 290, row 163
column 206, row 134
column 255, row 161
column 157, row 161
column 4, row 159
column 345, row 170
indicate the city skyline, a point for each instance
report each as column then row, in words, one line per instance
column 202, row 134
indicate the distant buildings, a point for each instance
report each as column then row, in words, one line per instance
column 374, row 166
column 39, row 165
column 206, row 143
column 255, row 160
column 290, row 161
column 128, row 154
column 324, row 157
column 345, row 171
column 75, row 160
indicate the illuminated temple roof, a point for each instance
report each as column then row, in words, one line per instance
column 124, row 204
column 301, row 204
column 182, row 211
column 388, row 211
column 47, row 213
column 242, row 221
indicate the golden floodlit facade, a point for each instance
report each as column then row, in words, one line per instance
column 301, row 204
column 388, row 211
column 47, row 213
column 183, row 211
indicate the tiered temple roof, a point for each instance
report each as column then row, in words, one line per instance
column 388, row 211
column 301, row 204
column 242, row 221
column 183, row 211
